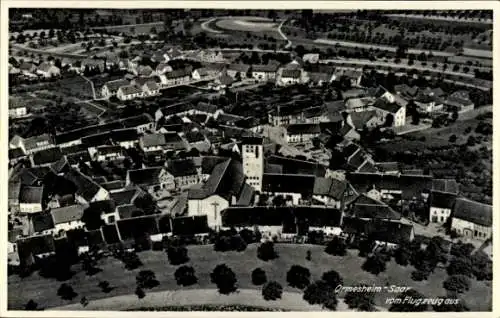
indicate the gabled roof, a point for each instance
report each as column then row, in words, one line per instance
column 125, row 196
column 366, row 207
column 35, row 141
column 153, row 140
column 388, row 107
column 330, row 187
column 226, row 180
column 387, row 166
column 113, row 185
column 42, row 222
column 268, row 68
column 146, row 176
column 36, row 245
column 472, row 211
column 181, row 167
column 183, row 72
column 31, row 195
column 126, row 134
column 359, row 119
column 129, row 90
column 288, row 183
column 14, row 189
column 16, row 153
column 445, row 185
column 46, row 156
column 442, row 200
column 298, row 129
column 128, row 211
column 297, row 166
column 287, row 73
column 114, row 85
column 135, row 121
column 246, row 196
column 379, row 229
column 86, row 187
column 67, row 214
column 239, row 67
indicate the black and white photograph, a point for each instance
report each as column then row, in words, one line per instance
column 230, row 159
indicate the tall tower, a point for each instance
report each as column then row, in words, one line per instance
column 253, row 161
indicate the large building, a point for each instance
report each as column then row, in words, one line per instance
column 253, row 161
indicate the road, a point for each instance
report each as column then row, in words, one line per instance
column 436, row 17
column 289, row 43
column 44, row 52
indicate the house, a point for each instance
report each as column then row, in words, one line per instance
column 125, row 138
column 176, row 77
column 295, row 166
column 142, row 123
column 300, row 133
column 319, row 79
column 129, row 92
column 445, row 185
column 289, row 77
column 111, row 88
column 27, row 68
column 210, row 56
column 14, row 189
column 68, row 218
column 406, row 91
column 175, row 54
column 17, row 109
column 331, row 191
column 428, row 103
column 163, row 68
column 150, row 88
column 36, row 143
column 459, row 101
column 224, row 80
column 184, row 172
column 144, row 71
column 152, row 179
column 366, row 207
column 161, row 142
column 48, row 70
column 237, row 71
column 31, row 199
column 440, row 206
column 472, row 219
column 293, row 187
column 391, row 167
column 386, row 110
column 46, row 157
column 358, row 160
column 312, row 58
column 104, row 210
column 385, row 233
column 264, row 73
column 107, row 153
column 226, row 186
column 362, row 120
column 16, row 155
column 87, row 190
column 113, row 186
column 349, row 133
column 203, row 73
column 92, row 65
column 35, row 247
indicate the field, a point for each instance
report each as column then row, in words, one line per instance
column 204, row 259
column 240, row 26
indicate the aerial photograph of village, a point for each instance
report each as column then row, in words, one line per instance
column 249, row 160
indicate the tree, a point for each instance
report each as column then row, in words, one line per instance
column 402, row 254
column 443, row 306
column 482, row 266
column 365, row 247
column 298, row 277
column 140, row 292
column 374, row 264
column 316, row 142
column 409, row 301
column 454, row 115
column 185, row 276
column 238, row 243
column 453, row 138
column 279, row 200
column 460, row 266
column 66, row 292
column 259, row 276
column 308, row 255
column 336, row 246
column 89, row 265
column 177, row 255
column 249, row 236
column 272, row 291
column 224, row 278
column 320, row 293
column 31, row 305
column 419, row 275
column 389, row 120
column 105, row 286
column 266, row 251
column 332, row 278
column 131, row 260
column 363, row 301
column 457, row 283
column 146, row 279
column 84, row 301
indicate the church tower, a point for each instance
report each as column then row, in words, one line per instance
column 253, row 161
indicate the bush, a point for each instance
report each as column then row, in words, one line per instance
column 320, row 293
column 374, row 264
column 453, row 138
column 419, row 275
column 31, row 305
column 224, row 278
column 298, row 277
column 66, row 292
column 457, row 283
column 316, row 237
column 249, row 236
column 266, row 251
column 468, row 130
column 272, row 291
column 402, row 255
column 336, row 246
column 259, row 276
column 364, row 301
column 482, row 266
column 131, row 260
column 104, row 286
column 332, row 278
column 177, row 255
column 471, row 141
column 238, row 243
column 308, row 255
column 146, row 279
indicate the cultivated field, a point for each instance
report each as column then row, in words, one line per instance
column 204, row 259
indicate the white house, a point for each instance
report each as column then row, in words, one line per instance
column 385, row 109
column 289, row 77
column 300, row 133
column 264, row 73
column 311, row 58
column 87, row 190
column 163, row 68
column 17, row 110
column 48, row 70
column 440, row 206
column 31, row 199
column 68, row 218
column 150, row 88
column 111, row 88
column 152, row 179
column 105, row 153
column 129, row 92
column 472, row 219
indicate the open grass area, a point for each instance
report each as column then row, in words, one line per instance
column 204, row 259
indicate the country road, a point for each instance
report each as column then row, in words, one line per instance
column 45, row 52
